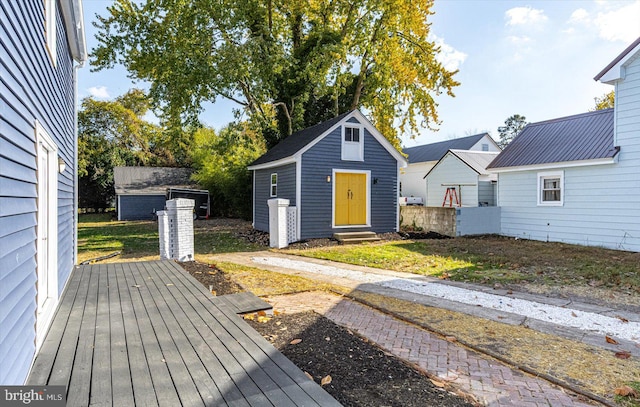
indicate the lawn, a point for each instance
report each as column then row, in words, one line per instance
column 496, row 260
column 99, row 235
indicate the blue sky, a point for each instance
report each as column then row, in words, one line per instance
column 534, row 58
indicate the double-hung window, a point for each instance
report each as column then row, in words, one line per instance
column 274, row 184
column 551, row 188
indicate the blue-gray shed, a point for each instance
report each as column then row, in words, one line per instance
column 341, row 175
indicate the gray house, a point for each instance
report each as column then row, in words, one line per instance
column 40, row 43
column 576, row 179
column 341, row 175
column 141, row 191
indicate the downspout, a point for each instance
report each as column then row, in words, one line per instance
column 75, row 160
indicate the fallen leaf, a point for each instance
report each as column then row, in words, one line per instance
column 276, row 312
column 263, row 320
column 325, row 380
column 295, row 341
column 610, row 340
column 262, row 313
column 278, row 323
column 327, row 339
column 625, row 320
column 623, row 354
column 308, row 375
column 437, row 383
column 573, row 314
column 249, row 317
column 451, row 338
column 626, row 391
column 213, row 273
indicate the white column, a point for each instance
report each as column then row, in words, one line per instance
column 163, row 234
column 278, row 222
column 180, row 221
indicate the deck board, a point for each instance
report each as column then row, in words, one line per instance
column 148, row 333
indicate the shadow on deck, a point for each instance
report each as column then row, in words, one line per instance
column 148, row 333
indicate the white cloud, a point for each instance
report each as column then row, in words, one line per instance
column 524, row 16
column 519, row 40
column 621, row 24
column 99, row 92
column 448, row 56
column 579, row 16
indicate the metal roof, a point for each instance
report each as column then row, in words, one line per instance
column 151, row 180
column 435, row 151
column 297, row 141
column 586, row 136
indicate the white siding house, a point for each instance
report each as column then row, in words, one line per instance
column 577, row 179
column 460, row 179
column 423, row 158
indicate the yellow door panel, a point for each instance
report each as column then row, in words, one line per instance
column 350, row 199
column 358, row 199
column 342, row 199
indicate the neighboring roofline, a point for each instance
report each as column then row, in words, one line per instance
column 354, row 113
column 74, row 24
column 612, row 71
column 271, row 164
column 557, row 165
column 453, row 151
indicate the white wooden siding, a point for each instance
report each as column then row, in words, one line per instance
column 412, row 179
column 450, row 170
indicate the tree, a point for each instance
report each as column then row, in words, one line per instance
column 278, row 59
column 221, row 162
column 113, row 133
column 512, row 126
column 606, row 101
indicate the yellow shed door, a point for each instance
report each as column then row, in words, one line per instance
column 351, row 199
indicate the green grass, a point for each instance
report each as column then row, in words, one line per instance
column 629, row 401
column 493, row 259
column 99, row 235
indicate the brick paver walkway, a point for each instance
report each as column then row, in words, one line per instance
column 490, row 381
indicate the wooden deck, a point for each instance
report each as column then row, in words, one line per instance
column 149, row 334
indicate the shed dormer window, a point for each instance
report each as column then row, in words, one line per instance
column 352, row 142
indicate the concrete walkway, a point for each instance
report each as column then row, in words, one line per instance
column 491, row 381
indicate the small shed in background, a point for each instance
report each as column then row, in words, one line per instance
column 141, row 191
column 460, row 178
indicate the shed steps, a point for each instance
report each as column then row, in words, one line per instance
column 356, row 237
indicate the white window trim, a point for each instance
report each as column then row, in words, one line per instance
column 273, row 184
column 344, row 143
column 50, row 29
column 333, row 198
column 45, row 313
column 547, row 175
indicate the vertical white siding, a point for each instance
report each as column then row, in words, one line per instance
column 450, row 170
column 412, row 179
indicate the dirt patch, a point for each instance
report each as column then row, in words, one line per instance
column 361, row 373
column 212, row 278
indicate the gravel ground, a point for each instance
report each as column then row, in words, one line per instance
column 361, row 373
column 564, row 316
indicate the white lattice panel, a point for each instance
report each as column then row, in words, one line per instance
column 291, row 224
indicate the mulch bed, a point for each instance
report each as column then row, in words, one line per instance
column 361, row 373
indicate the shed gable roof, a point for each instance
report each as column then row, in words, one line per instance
column 435, row 151
column 475, row 160
column 582, row 137
column 288, row 149
column 150, row 180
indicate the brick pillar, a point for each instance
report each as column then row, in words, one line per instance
column 163, row 234
column 278, row 222
column 180, row 220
